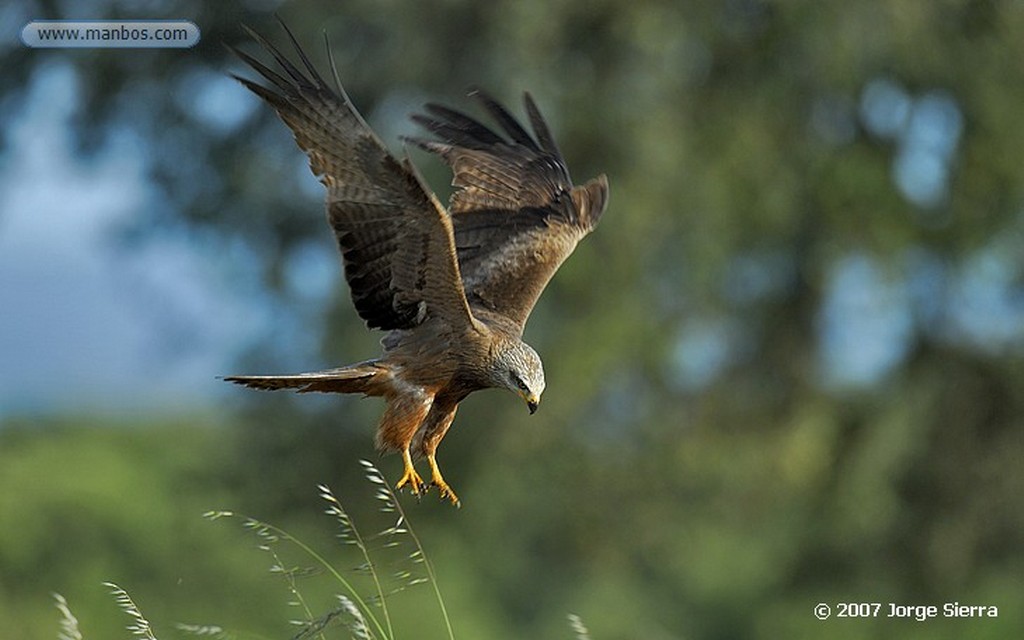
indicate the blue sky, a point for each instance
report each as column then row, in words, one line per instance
column 87, row 323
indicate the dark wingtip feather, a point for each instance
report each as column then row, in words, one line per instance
column 540, row 126
column 274, row 77
column 298, row 78
column 464, row 123
column 302, row 54
column 504, row 118
column 275, row 99
column 456, row 128
column 334, row 67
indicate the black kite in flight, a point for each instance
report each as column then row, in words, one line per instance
column 453, row 288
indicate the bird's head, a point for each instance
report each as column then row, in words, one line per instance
column 518, row 368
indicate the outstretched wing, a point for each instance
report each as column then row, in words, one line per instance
column 396, row 240
column 516, row 214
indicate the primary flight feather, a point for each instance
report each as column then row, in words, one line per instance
column 453, row 288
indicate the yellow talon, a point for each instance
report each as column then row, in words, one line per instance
column 437, row 480
column 410, row 477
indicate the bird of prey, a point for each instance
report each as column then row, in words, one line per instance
column 452, row 287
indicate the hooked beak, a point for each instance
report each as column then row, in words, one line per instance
column 532, row 401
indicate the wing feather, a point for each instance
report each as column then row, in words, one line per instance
column 516, row 214
column 396, row 240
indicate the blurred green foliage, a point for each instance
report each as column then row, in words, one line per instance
column 84, row 503
column 660, row 492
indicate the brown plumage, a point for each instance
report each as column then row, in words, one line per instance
column 453, row 288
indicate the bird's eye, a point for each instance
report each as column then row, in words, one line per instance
column 519, row 382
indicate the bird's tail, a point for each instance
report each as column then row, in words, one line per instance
column 366, row 377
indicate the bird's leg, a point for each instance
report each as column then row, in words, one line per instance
column 402, row 417
column 437, row 480
column 433, row 430
column 410, row 477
